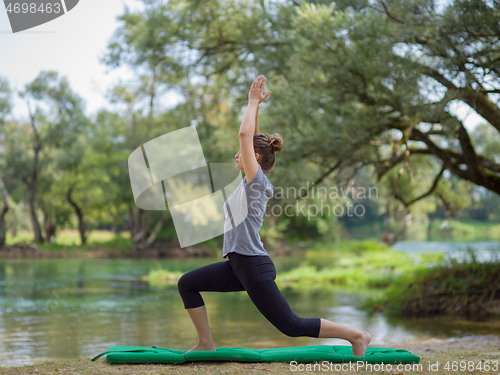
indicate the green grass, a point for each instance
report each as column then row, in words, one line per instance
column 367, row 263
column 456, row 230
column 161, row 277
column 465, row 230
column 68, row 241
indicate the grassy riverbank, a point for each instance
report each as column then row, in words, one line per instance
column 466, row 230
column 68, row 242
column 100, row 244
column 479, row 355
column 368, row 264
column 437, row 230
column 467, row 288
column 419, row 285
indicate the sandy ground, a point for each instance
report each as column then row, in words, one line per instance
column 491, row 342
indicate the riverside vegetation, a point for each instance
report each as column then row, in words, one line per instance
column 469, row 288
column 401, row 284
column 410, row 285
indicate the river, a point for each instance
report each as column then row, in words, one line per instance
column 77, row 308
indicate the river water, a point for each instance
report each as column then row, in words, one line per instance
column 77, row 308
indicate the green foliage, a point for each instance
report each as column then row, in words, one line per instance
column 432, row 258
column 119, row 243
column 356, row 247
column 464, row 230
column 71, row 242
column 353, row 264
column 160, row 277
column 5, row 100
column 358, row 91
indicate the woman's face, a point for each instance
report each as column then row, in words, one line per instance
column 239, row 163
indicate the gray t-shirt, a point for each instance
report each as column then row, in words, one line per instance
column 244, row 212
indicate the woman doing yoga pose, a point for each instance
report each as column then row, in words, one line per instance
column 249, row 267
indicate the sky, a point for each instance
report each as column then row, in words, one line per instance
column 72, row 45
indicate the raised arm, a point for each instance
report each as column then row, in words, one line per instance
column 249, row 127
column 255, row 97
column 257, row 121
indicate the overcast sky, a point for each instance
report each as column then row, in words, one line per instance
column 72, row 45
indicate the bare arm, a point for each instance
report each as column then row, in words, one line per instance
column 248, row 125
column 256, row 95
column 257, row 121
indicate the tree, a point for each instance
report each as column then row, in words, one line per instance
column 356, row 85
column 54, row 125
column 5, row 108
column 371, row 84
column 149, row 43
column 383, row 78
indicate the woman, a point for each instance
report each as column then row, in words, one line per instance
column 249, row 267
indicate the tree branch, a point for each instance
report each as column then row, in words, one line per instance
column 155, row 232
column 390, row 15
column 429, row 192
column 485, row 178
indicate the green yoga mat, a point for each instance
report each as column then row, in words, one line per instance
column 300, row 354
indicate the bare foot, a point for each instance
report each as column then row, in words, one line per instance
column 359, row 346
column 203, row 347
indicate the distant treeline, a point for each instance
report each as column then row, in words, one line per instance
column 362, row 95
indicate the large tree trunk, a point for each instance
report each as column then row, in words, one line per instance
column 136, row 234
column 32, row 184
column 79, row 214
column 50, row 229
column 34, row 221
column 3, row 227
column 152, row 237
column 143, row 236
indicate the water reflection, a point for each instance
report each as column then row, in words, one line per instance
column 72, row 308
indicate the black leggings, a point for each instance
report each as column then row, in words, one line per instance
column 256, row 275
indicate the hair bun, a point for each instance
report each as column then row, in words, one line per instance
column 275, row 142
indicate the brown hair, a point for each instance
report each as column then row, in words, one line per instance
column 267, row 146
